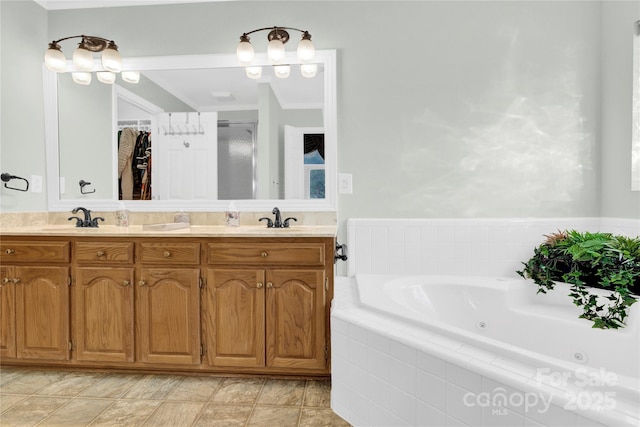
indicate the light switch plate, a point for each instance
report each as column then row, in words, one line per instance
column 36, row 183
column 345, row 183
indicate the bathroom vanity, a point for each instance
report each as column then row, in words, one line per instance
column 247, row 300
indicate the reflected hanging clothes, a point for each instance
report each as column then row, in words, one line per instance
column 126, row 146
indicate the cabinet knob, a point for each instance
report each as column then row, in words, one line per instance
column 269, row 285
column 167, row 254
column 10, row 251
column 259, row 285
column 16, row 281
column 142, row 283
column 125, row 283
column 264, row 254
column 5, row 280
column 100, row 253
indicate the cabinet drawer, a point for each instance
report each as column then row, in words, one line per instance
column 169, row 253
column 266, row 253
column 104, row 252
column 34, row 251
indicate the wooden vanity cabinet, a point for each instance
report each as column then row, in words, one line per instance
column 246, row 305
column 271, row 313
column 103, row 303
column 168, row 303
column 34, row 292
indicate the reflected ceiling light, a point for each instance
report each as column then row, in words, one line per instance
column 282, row 71
column 253, row 72
column 309, row 70
column 82, row 59
column 277, row 38
column 131, row 76
column 81, row 77
column 106, row 77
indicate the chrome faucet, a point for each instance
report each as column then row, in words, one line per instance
column 87, row 222
column 278, row 222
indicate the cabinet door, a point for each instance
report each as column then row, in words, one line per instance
column 168, row 315
column 295, row 319
column 7, row 313
column 234, row 317
column 42, row 312
column 103, row 315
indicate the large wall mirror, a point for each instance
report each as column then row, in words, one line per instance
column 213, row 136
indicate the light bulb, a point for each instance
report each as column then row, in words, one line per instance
column 275, row 51
column 245, row 52
column 54, row 59
column 82, row 59
column 306, row 51
column 309, row 70
column 106, row 77
column 131, row 76
column 282, row 71
column 82, row 78
column 254, row 72
column 111, row 58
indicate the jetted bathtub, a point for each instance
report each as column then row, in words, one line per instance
column 450, row 350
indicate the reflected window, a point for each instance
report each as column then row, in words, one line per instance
column 314, row 166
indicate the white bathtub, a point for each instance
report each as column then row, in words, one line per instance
column 449, row 350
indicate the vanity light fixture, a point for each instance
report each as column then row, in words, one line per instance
column 277, row 38
column 83, row 62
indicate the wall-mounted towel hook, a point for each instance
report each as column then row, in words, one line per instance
column 6, row 177
column 83, row 184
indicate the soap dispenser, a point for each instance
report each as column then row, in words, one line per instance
column 122, row 216
column 232, row 216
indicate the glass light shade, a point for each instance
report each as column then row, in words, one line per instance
column 275, row 51
column 245, row 53
column 306, row 51
column 81, row 77
column 111, row 60
column 131, row 76
column 254, row 72
column 282, row 71
column 309, row 70
column 106, row 77
column 82, row 59
column 54, row 60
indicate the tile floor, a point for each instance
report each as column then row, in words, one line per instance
column 31, row 397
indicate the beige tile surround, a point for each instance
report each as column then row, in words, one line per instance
column 21, row 219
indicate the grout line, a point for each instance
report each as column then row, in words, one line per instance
column 255, row 402
column 304, row 396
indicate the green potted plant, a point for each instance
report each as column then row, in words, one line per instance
column 585, row 261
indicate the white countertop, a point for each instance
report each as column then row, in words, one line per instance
column 192, row 231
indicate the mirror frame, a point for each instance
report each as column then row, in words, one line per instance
column 325, row 58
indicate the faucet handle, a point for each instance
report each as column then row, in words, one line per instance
column 94, row 222
column 269, row 222
column 78, row 220
column 285, row 223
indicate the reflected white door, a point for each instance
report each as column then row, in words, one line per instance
column 297, row 174
column 187, row 147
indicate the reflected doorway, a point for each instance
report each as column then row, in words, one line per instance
column 236, row 160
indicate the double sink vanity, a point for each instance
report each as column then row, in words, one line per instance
column 207, row 298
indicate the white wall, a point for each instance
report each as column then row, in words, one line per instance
column 446, row 109
column 23, row 40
